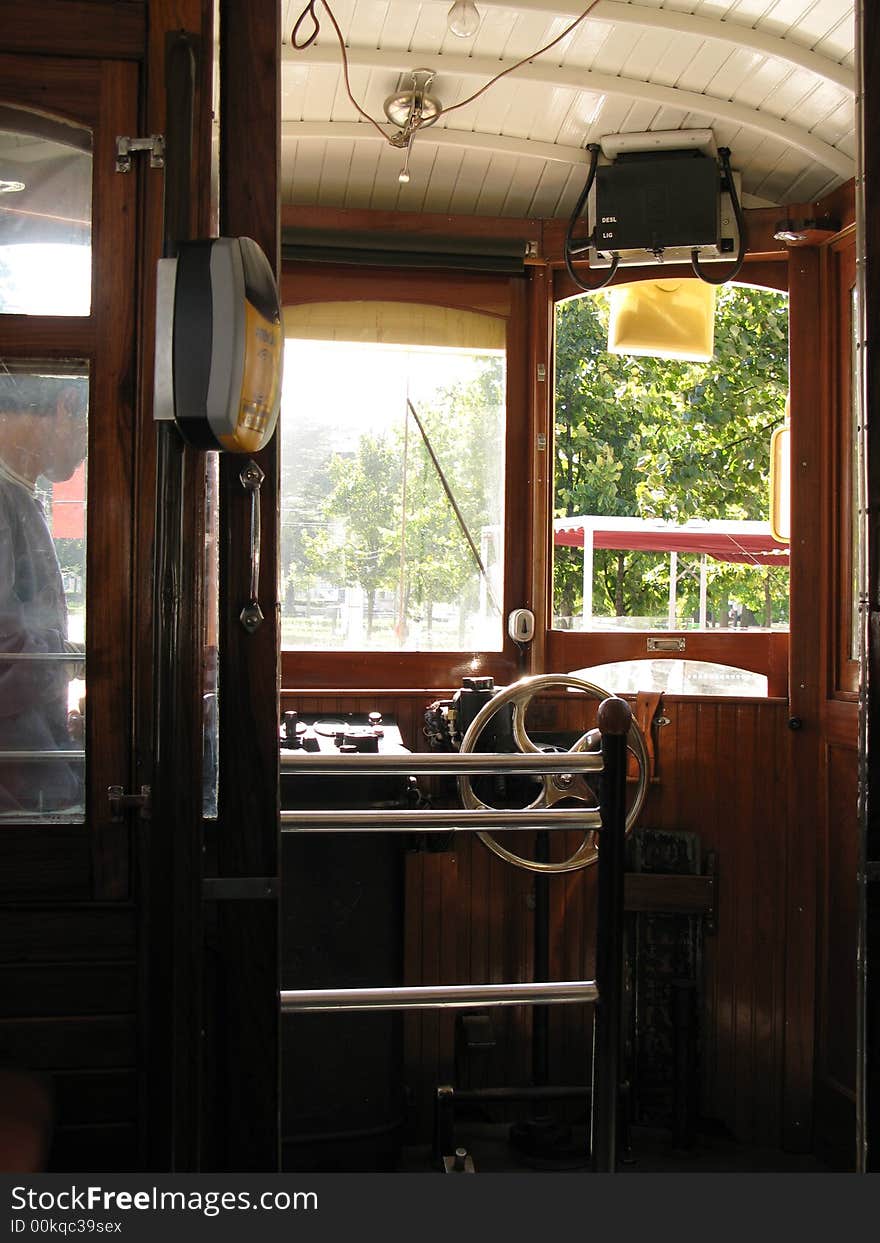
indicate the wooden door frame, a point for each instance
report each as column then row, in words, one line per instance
column 246, row 930
column 91, row 860
column 868, row 1091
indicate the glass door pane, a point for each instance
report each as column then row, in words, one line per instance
column 45, row 215
column 43, row 437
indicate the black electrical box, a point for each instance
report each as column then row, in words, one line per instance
column 648, row 201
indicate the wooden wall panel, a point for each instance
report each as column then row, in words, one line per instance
column 67, row 1010
column 52, row 861
column 836, row 974
column 44, row 933
column 721, row 773
column 66, row 988
column 111, row 1148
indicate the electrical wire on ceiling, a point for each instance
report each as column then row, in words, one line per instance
column 724, row 155
column 304, row 35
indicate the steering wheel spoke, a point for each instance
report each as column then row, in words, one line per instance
column 556, row 787
column 559, row 787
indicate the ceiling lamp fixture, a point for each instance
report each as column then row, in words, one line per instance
column 411, row 108
column 463, row 19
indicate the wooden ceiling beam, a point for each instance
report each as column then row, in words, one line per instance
column 579, row 80
column 719, row 30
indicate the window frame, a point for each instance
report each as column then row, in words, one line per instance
column 843, row 601
column 765, row 652
column 100, row 95
column 504, row 296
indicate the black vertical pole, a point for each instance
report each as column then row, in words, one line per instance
column 173, row 845
column 541, row 968
column 614, row 720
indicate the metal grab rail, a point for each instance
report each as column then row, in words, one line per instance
column 451, row 764
column 440, row 996
column 68, row 658
column 614, row 718
column 67, row 756
column 397, row 820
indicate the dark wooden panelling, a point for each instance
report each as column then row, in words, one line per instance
column 808, row 659
column 66, row 933
column 870, row 1117
column 81, row 27
column 71, row 1018
column 102, row 1149
column 344, row 219
column 68, row 1043
column 66, row 989
column 722, row 764
column 93, row 1096
column 835, row 1128
column 46, row 862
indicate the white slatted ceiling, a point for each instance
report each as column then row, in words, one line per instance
column 352, row 171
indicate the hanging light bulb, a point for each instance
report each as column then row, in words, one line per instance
column 403, row 175
column 463, row 19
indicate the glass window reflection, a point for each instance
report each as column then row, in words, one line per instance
column 43, row 435
column 45, row 216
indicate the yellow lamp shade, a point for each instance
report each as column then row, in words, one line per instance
column 663, row 319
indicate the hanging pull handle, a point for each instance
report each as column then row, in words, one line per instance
column 251, row 478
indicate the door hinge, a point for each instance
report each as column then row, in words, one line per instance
column 120, row 802
column 126, row 146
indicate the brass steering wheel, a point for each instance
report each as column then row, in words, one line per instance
column 556, row 786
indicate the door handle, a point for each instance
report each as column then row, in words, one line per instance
column 251, row 615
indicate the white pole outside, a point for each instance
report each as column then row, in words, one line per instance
column 588, row 576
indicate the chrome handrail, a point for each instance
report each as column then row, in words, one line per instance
column 440, row 764
column 76, row 658
column 403, row 820
column 440, row 996
column 68, row 756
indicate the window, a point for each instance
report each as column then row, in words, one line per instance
column 661, row 479
column 662, row 474
column 45, row 215
column 396, row 476
column 845, row 450
column 42, row 590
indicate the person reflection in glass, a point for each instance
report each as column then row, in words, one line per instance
column 42, row 433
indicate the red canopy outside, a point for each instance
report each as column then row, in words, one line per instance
column 747, row 543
